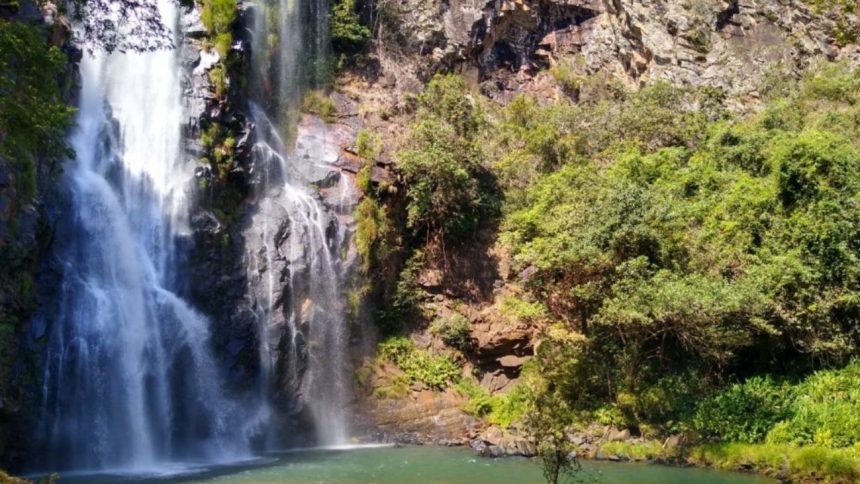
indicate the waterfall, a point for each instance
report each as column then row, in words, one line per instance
column 296, row 240
column 130, row 382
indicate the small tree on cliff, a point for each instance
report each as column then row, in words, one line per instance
column 448, row 190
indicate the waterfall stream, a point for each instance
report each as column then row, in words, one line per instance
column 130, row 381
column 296, row 241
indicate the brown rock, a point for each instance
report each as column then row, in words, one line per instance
column 512, row 361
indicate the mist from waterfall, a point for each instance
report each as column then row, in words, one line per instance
column 130, row 382
column 302, row 313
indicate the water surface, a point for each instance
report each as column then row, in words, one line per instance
column 391, row 465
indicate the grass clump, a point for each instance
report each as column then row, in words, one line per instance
column 787, row 462
column 565, row 73
column 642, row 451
column 316, row 102
column 371, row 232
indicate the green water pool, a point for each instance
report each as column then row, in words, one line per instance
column 389, row 465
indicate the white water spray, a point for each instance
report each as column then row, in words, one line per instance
column 130, row 382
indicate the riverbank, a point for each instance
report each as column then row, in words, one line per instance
column 783, row 462
column 786, row 463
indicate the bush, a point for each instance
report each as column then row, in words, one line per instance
column 218, row 15
column 434, row 371
column 503, row 409
column 454, row 330
column 825, row 412
column 794, row 464
column 745, row 412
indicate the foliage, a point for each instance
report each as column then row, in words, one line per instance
column 565, row 74
column 845, row 31
column 218, row 78
column 649, row 450
column 454, row 330
column 446, row 187
column 672, row 240
column 398, row 388
column 517, row 309
column 33, row 117
column 794, row 464
column 318, row 103
column 348, row 33
column 745, row 412
column 368, row 146
column 666, row 248
column 502, row 409
column 371, row 232
column 219, row 146
column 434, row 371
column 404, row 306
column 218, row 16
column 825, row 411
column 547, row 417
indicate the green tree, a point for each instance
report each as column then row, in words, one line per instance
column 348, row 33
column 448, row 191
column 33, row 117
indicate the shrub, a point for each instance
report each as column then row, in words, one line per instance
column 218, row 15
column 745, row 412
column 503, row 409
column 825, row 412
column 454, row 331
column 434, row 371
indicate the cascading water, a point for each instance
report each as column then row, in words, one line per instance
column 130, row 382
column 304, row 330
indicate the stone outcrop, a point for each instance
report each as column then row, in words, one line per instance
column 504, row 44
